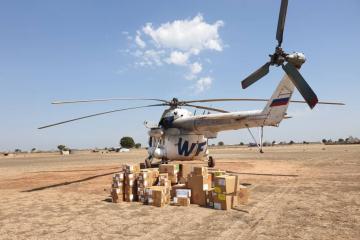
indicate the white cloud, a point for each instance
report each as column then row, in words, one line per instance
column 149, row 57
column 178, row 58
column 203, row 84
column 140, row 42
column 196, row 68
column 186, row 35
column 179, row 43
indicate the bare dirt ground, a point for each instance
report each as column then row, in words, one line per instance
column 298, row 192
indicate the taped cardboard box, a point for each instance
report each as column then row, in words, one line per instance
column 172, row 170
column 118, row 177
column 225, row 184
column 181, row 201
column 198, row 186
column 157, row 196
column 117, row 188
column 243, row 195
column 200, row 171
column 214, row 173
column 117, row 195
column 224, row 201
column 131, row 168
column 210, row 197
column 174, row 187
column 185, row 170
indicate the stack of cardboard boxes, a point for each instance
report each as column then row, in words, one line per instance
column 159, row 195
column 184, row 184
column 146, row 178
column 225, row 189
column 182, row 197
column 131, row 173
column 117, row 188
column 199, row 181
column 172, row 170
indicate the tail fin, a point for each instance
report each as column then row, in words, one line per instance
column 278, row 104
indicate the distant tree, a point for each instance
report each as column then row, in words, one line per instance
column 18, row 150
column 138, row 145
column 61, row 147
column 241, row 144
column 305, row 142
column 341, row 140
column 324, row 141
column 291, row 142
column 33, row 150
column 127, row 142
column 273, row 143
column 221, row 143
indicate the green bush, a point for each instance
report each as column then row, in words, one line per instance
column 127, row 142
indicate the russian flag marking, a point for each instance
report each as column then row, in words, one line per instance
column 279, row 102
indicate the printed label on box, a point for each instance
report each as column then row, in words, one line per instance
column 217, row 190
column 217, row 206
column 183, row 192
column 221, row 182
column 221, row 197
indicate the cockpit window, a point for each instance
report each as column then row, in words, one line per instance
column 167, row 122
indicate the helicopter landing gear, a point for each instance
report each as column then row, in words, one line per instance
column 211, row 162
column 148, row 162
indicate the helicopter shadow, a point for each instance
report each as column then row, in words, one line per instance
column 264, row 174
column 67, row 183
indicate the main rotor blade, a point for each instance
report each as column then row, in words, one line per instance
column 251, row 100
column 281, row 22
column 300, row 83
column 206, row 108
column 98, row 114
column 255, row 76
column 108, row 99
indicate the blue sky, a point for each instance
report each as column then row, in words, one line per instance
column 51, row 50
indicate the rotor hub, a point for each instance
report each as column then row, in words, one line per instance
column 296, row 58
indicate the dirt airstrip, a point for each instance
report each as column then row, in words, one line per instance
column 298, row 192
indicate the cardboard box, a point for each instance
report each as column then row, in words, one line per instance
column 174, row 187
column 131, row 168
column 157, row 196
column 182, row 201
column 210, row 197
column 225, row 184
column 183, row 193
column 185, row 170
column 224, row 201
column 214, row 173
column 118, row 176
column 200, row 171
column 171, row 169
column 243, row 195
column 117, row 195
column 198, row 186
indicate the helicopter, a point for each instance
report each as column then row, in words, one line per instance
column 181, row 135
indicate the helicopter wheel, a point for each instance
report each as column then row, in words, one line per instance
column 211, row 162
column 148, row 163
